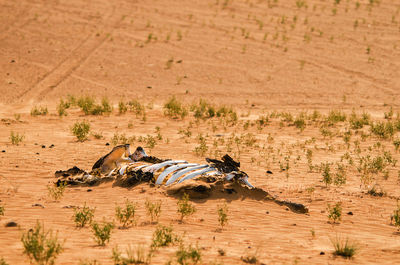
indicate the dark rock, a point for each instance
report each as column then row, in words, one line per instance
column 267, row 212
column 51, row 146
column 107, row 144
column 37, row 205
column 89, row 190
column 11, row 224
column 350, row 213
column 322, row 253
column 43, row 146
column 3, row 151
column 269, row 172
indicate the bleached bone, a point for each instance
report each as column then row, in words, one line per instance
column 230, row 176
column 155, row 167
column 246, row 181
column 196, row 173
column 179, row 173
column 169, row 170
column 122, row 169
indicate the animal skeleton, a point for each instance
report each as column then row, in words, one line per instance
column 168, row 171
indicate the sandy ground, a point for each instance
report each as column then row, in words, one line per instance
column 255, row 56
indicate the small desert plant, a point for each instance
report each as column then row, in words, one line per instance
column 122, row 108
column 89, row 106
column 126, row 216
column 83, row 216
column 222, row 214
column 153, row 210
column 396, row 216
column 16, row 138
column 175, row 109
column 251, row 259
column 202, row 148
column 56, row 191
column 136, row 255
column 81, row 130
column 89, row 262
column 2, row 210
column 335, row 212
column 185, row 208
column 3, row 262
column 41, row 246
column 36, row 111
column 376, row 191
column 344, row 248
column 188, row 255
column 163, row 236
column 326, row 175
column 102, row 232
column 62, row 107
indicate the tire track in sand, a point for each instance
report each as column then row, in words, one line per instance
column 50, row 80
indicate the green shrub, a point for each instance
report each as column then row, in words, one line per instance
column 222, row 214
column 41, row 246
column 300, row 123
column 62, row 107
column 185, row 208
column 344, row 248
column 81, row 130
column 136, row 107
column 334, row 117
column 163, row 236
column 83, row 216
column 89, row 262
column 16, row 138
column 56, row 192
column 36, row 111
column 188, row 255
column 153, row 210
column 335, row 212
column 102, row 232
column 136, row 255
column 175, row 109
column 326, row 175
column 126, row 216
column 203, row 110
column 396, row 216
column 122, row 108
column 383, row 130
column 89, row 106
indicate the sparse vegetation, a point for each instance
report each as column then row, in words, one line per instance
column 164, row 236
column 81, row 130
column 89, row 106
column 344, row 248
column 16, row 138
column 175, row 109
column 188, row 255
column 126, row 215
column 41, row 246
column 222, row 215
column 102, row 232
column 136, row 255
column 39, row 111
column 185, row 208
column 56, row 191
column 153, row 210
column 83, row 216
column 396, row 216
column 335, row 212
column 2, row 210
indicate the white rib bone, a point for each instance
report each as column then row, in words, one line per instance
column 196, row 173
column 170, row 169
column 246, row 181
column 179, row 173
column 122, row 169
column 155, row 167
column 214, row 173
column 230, row 176
column 109, row 174
column 140, row 167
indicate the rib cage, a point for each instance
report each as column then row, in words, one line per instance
column 177, row 171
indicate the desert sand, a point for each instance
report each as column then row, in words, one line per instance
column 262, row 58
